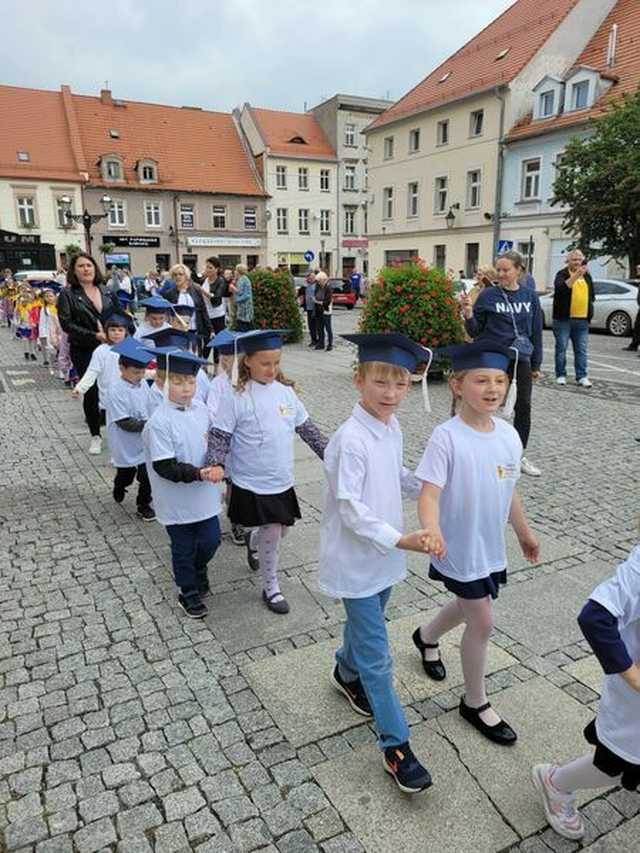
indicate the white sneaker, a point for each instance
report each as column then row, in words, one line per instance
column 585, row 382
column 95, row 448
column 561, row 380
column 529, row 468
column 560, row 809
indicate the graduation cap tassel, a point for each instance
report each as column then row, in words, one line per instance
column 235, row 373
column 425, row 389
column 510, row 400
column 165, row 387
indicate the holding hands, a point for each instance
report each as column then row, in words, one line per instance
column 423, row 542
column 212, row 474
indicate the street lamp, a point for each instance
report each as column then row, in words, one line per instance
column 88, row 219
column 450, row 218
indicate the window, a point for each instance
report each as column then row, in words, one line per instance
column 325, row 222
column 250, row 218
column 282, row 220
column 399, row 256
column 303, row 220
column 350, row 135
column 303, row 178
column 387, row 203
column 607, row 288
column 474, row 181
column 440, row 256
column 365, row 178
column 547, row 103
column 26, row 212
column 412, row 199
column 477, row 122
column 112, row 170
column 579, row 95
column 527, row 250
column 445, row 77
column 442, row 132
column 24, row 156
column 281, row 177
column 152, row 214
column 219, row 216
column 117, row 214
column 324, row 180
column 349, row 177
column 187, row 216
column 114, row 133
column 388, row 148
column 61, row 215
column 441, row 194
column 414, row 140
column 148, row 173
column 365, row 221
column 531, row 179
column 349, row 220
column 472, row 258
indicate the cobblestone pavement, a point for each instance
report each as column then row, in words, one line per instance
column 125, row 726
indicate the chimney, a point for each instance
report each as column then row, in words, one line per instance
column 105, row 97
column 612, row 46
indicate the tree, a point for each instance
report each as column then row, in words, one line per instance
column 274, row 302
column 72, row 249
column 599, row 182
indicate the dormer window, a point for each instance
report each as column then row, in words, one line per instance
column 548, row 97
column 24, row 156
column 298, row 140
column 580, row 95
column 547, row 104
column 112, row 169
column 147, row 171
column 113, row 133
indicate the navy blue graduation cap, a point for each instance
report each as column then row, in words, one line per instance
column 117, row 320
column 224, row 342
column 124, row 299
column 133, row 352
column 478, row 354
column 257, row 341
column 156, row 305
column 390, row 348
column 184, row 310
column 174, row 360
column 51, row 285
column 174, row 338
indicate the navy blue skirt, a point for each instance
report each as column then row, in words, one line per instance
column 252, row 510
column 608, row 762
column 480, row 588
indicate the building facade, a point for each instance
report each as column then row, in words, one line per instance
column 299, row 171
column 343, row 119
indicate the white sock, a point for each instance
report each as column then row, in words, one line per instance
column 581, row 775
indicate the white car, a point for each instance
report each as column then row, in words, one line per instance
column 35, row 275
column 614, row 309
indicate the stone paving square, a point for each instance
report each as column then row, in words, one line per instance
column 549, row 725
column 454, row 816
column 624, row 839
column 588, row 671
column 296, row 689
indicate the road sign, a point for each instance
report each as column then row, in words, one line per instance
column 309, row 256
column 504, row 246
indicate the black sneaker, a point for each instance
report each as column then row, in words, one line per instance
column 193, row 606
column 26, row 356
column 252, row 559
column 409, row 775
column 237, row 534
column 354, row 692
column 33, row 357
column 118, row 493
column 146, row 513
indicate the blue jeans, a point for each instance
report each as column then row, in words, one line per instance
column 192, row 546
column 365, row 655
column 578, row 332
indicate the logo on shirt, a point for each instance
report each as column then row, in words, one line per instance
column 507, row 472
column 285, row 410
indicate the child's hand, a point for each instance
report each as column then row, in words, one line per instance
column 436, row 544
column 75, row 393
column 632, row 676
column 212, row 474
column 417, row 541
column 530, row 547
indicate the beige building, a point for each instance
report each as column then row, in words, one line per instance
column 436, row 156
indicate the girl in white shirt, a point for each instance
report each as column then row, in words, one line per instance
column 103, row 367
column 469, row 471
column 610, row 620
column 256, row 428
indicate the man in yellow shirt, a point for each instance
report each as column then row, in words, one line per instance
column 572, row 312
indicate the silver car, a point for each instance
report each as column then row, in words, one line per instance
column 614, row 309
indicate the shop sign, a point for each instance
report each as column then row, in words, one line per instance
column 228, row 242
column 133, row 242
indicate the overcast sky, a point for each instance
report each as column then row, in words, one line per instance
column 219, row 53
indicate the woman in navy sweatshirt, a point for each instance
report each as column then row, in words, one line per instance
column 510, row 315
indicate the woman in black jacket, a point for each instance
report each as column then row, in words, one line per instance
column 181, row 290
column 573, row 298
column 83, row 307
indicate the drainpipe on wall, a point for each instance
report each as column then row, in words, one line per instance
column 177, row 235
column 338, row 225
column 499, row 171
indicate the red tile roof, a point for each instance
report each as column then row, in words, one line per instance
column 522, row 29
column 196, row 150
column 625, row 72
column 34, row 121
column 279, row 128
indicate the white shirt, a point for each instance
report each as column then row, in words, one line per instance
column 145, row 329
column 43, row 323
column 125, row 284
column 213, row 310
column 219, row 388
column 618, row 719
column 262, row 421
column 186, row 299
column 156, row 397
column 126, row 401
column 203, row 383
column 363, row 518
column 477, row 472
column 182, row 434
column 104, row 369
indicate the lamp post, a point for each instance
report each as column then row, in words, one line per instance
column 450, row 218
column 88, row 219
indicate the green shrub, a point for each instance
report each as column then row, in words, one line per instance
column 275, row 303
column 416, row 300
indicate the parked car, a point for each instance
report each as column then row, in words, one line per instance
column 342, row 293
column 614, row 310
column 35, row 275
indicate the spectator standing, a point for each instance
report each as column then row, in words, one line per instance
column 309, row 304
column 213, row 288
column 115, row 277
column 356, row 282
column 324, row 311
column 125, row 282
column 182, row 291
column 242, row 294
column 635, row 337
column 151, row 283
column 573, row 298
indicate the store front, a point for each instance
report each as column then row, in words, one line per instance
column 136, row 252
column 25, row 252
column 355, row 256
column 230, row 251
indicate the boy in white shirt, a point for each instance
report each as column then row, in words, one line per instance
column 127, row 413
column 362, row 544
column 103, row 367
column 176, row 340
column 155, row 316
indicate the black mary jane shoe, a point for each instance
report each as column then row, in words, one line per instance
column 501, row 733
column 281, row 607
column 435, row 669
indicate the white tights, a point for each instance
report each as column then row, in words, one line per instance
column 268, row 538
column 581, row 775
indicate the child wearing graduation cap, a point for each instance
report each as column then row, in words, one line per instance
column 182, row 318
column 610, row 621
column 186, row 499
column 174, row 340
column 104, row 367
column 256, row 430
column 469, row 472
column 127, row 409
column 362, row 544
column 156, row 310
